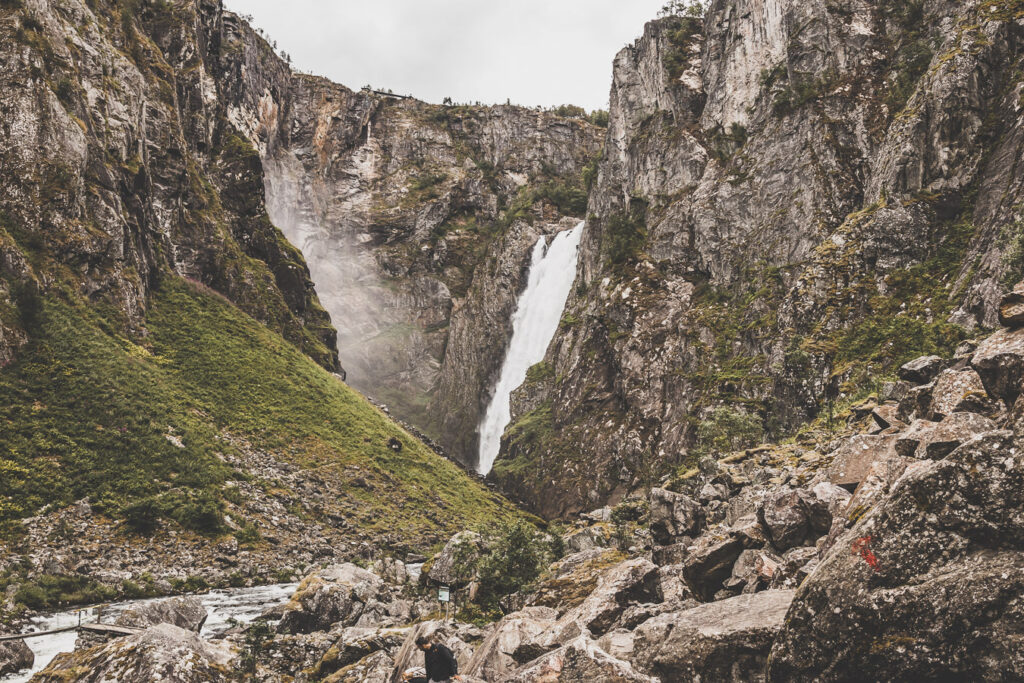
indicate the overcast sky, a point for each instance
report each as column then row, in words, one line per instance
column 544, row 52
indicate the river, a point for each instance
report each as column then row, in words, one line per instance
column 223, row 606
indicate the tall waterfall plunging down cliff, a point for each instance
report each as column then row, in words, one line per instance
column 552, row 271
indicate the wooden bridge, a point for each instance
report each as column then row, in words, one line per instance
column 108, row 630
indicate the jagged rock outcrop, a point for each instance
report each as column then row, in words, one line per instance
column 512, row 642
column 161, row 653
column 15, row 655
column 792, row 197
column 120, row 165
column 919, row 584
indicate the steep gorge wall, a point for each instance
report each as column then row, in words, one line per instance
column 794, row 197
column 119, row 165
column 416, row 220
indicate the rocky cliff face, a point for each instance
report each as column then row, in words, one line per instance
column 395, row 204
column 794, row 198
column 119, row 164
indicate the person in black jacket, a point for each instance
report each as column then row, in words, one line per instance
column 439, row 661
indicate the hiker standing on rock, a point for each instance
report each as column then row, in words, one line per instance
column 440, row 663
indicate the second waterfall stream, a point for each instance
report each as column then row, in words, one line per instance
column 538, row 313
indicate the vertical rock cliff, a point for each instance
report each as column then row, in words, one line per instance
column 793, row 199
column 119, row 162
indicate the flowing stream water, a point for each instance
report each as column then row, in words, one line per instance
column 223, row 607
column 538, row 313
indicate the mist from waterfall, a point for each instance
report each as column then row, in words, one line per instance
column 538, row 313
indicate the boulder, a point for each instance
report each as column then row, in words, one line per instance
column 618, row 643
column 335, row 595
column 1011, row 307
column 287, row 653
column 874, row 487
column 822, row 503
column 886, row 416
column 927, row 586
column 588, row 538
column 934, row 440
column 727, row 640
column 713, row 491
column 753, row 569
column 674, row 515
column 373, row 668
column 456, row 563
column 750, row 531
column 710, row 562
column 355, row 644
column 512, row 642
column 747, row 502
column 15, row 655
column 160, row 653
column 632, row 582
column 917, row 403
column 921, row 370
column 603, row 514
column 793, row 567
column 187, row 613
column 459, row 638
column 672, row 584
column 572, row 579
column 577, row 661
column 785, row 519
column 958, row 391
column 856, row 455
column 893, row 391
column 671, row 554
column 999, row 361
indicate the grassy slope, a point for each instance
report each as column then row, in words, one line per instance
column 84, row 411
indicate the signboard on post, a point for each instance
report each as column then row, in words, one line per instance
column 444, row 594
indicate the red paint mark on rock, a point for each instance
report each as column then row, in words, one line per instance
column 862, row 547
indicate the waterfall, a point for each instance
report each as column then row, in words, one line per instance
column 538, row 312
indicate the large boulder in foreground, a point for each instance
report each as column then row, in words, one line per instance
column 927, row 586
column 187, row 613
column 512, row 642
column 578, row 661
column 161, row 653
column 335, row 595
column 727, row 640
column 15, row 655
column 629, row 583
column 461, row 639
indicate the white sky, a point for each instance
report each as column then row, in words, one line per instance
column 545, row 52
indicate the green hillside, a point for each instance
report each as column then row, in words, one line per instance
column 142, row 426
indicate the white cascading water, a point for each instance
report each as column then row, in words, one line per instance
column 538, row 312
